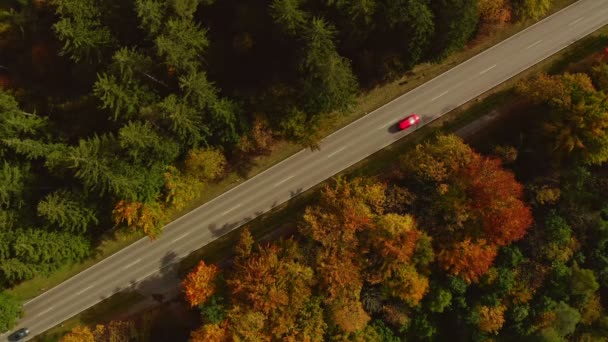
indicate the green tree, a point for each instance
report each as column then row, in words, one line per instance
column 13, row 180
column 456, row 21
column 67, row 210
column 182, row 43
column 413, row 20
column 145, row 146
column 329, row 83
column 151, row 14
column 10, row 311
column 360, row 11
column 120, row 89
column 80, row 29
column 288, row 15
column 583, row 283
column 15, row 123
column 30, row 252
column 184, row 121
column 185, row 8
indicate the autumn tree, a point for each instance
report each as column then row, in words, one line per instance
column 468, row 259
column 579, row 115
column 180, row 188
column 533, row 9
column 205, row 164
column 79, row 334
column 494, row 11
column 210, row 333
column 471, row 196
column 148, row 218
column 491, row 319
column 199, row 285
column 271, row 282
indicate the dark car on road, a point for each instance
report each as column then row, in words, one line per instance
column 19, row 334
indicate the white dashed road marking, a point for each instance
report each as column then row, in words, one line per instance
column 84, row 290
column 438, row 96
column 131, row 264
column 576, row 21
column 283, row 181
column 180, row 237
column 336, row 152
column 488, row 69
column 231, row 209
column 45, row 311
column 533, row 44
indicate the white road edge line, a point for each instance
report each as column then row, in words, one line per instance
column 131, row 264
column 438, row 96
column 488, row 69
column 283, row 181
column 336, row 152
column 179, row 237
column 231, row 209
column 43, row 312
column 576, row 21
column 83, row 290
column 533, row 44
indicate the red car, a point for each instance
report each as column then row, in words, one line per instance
column 408, row 122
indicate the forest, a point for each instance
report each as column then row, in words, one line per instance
column 115, row 113
column 447, row 244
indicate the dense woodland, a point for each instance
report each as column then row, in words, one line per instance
column 114, row 113
column 447, row 245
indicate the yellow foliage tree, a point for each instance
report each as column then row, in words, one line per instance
column 79, row 334
column 491, row 319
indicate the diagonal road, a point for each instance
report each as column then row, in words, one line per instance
column 307, row 168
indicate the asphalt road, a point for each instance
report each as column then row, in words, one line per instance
column 306, row 168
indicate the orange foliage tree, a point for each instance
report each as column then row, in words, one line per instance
column 467, row 259
column 496, row 197
column 199, row 284
column 272, row 282
column 147, row 217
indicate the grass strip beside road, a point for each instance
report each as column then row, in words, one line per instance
column 366, row 103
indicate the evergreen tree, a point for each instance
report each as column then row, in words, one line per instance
column 67, row 210
column 81, row 30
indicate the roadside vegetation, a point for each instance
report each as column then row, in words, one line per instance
column 508, row 243
column 116, row 115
